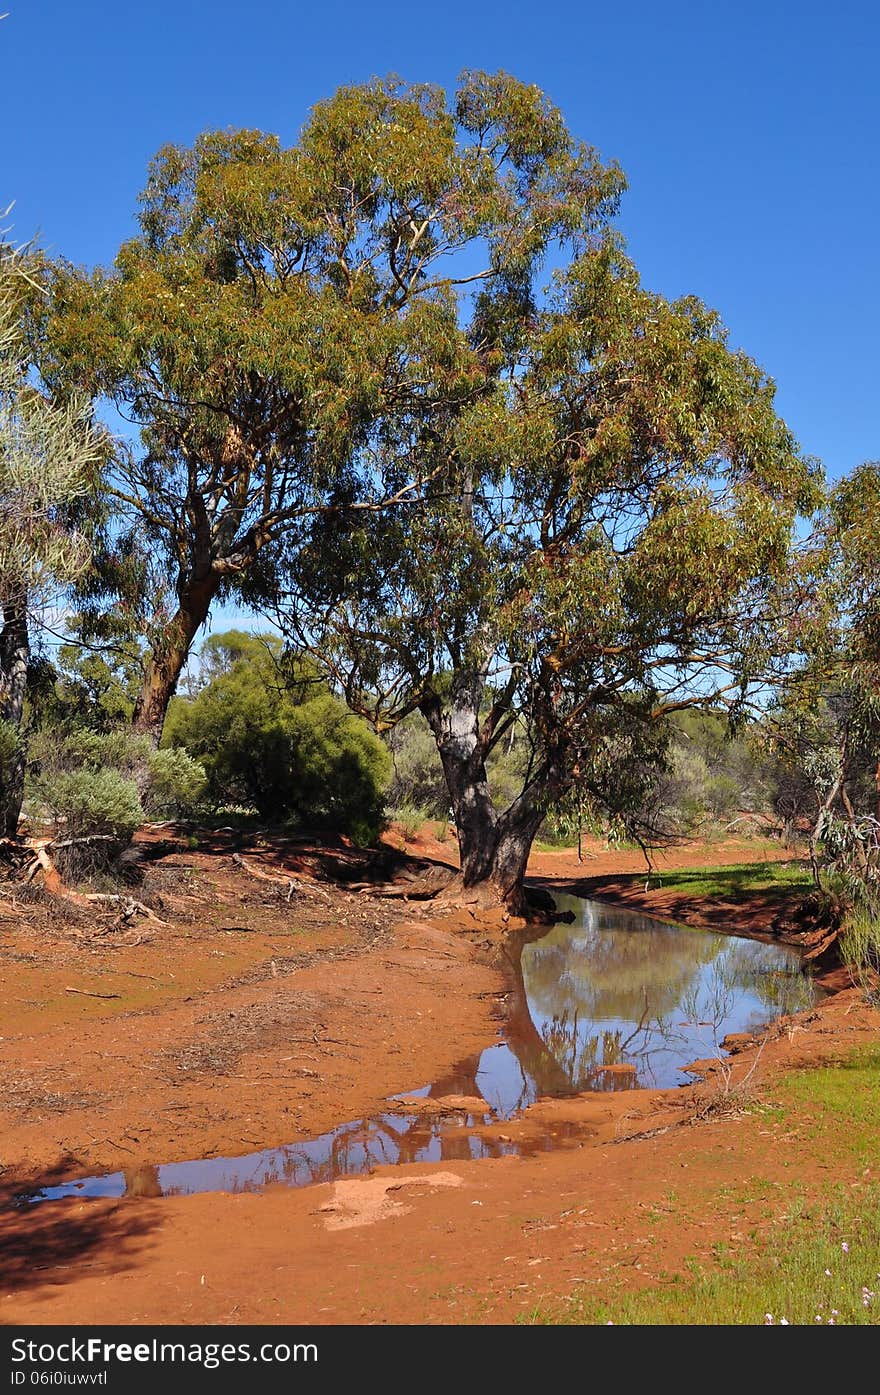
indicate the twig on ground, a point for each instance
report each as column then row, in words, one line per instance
column 84, row 993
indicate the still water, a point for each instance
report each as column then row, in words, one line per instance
column 606, row 1001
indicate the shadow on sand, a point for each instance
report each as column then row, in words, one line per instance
column 46, row 1245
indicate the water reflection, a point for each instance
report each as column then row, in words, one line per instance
column 615, row 989
column 610, row 1001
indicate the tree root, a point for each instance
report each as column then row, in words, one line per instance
column 288, row 883
column 41, row 861
column 129, row 907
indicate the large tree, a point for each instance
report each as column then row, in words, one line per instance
column 597, row 536
column 825, row 731
column 49, row 458
column 277, row 302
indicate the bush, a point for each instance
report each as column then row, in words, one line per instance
column 176, row 782
column 100, row 807
column 98, row 786
column 410, row 818
column 272, row 737
column 860, row 949
column 94, row 803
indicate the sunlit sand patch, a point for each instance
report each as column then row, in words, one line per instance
column 364, row 1201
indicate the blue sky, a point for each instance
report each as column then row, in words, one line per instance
column 748, row 133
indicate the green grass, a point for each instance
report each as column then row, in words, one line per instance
column 803, row 1273
column 844, row 1101
column 738, row 882
column 820, row 1261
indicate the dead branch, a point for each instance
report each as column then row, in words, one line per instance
column 129, row 906
column 84, row 993
column 287, row 882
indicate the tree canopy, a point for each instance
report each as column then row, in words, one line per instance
column 599, row 533
column 278, row 301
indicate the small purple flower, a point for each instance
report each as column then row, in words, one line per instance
column 845, row 1248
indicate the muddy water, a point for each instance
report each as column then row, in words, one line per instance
column 607, row 1000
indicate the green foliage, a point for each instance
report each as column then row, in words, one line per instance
column 598, row 533
column 91, row 803
column 410, row 818
column 860, row 949
column 277, row 300
column 9, row 747
column 273, row 737
column 176, row 782
column 49, row 458
column 417, row 778
column 717, row 778
column 50, row 453
column 825, row 732
column 97, row 675
column 100, row 785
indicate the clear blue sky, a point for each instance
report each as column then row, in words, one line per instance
column 748, row 132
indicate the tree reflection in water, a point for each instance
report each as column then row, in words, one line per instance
column 614, row 988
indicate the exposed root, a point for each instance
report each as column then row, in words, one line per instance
column 42, row 861
column 129, row 907
column 290, row 885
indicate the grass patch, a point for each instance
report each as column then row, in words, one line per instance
column 821, row 1267
column 844, row 1100
column 819, row 1263
column 739, row 882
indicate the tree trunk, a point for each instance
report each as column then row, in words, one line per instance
column 494, row 848
column 494, row 866
column 14, row 655
column 169, row 655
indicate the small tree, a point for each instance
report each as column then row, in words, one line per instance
column 49, row 455
column 273, row 738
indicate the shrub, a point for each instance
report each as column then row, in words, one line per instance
column 96, row 787
column 176, row 782
column 272, row 737
column 410, row 818
column 99, row 807
column 860, row 949
column 92, row 803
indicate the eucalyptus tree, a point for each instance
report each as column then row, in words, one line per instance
column 825, row 731
column 49, row 458
column 597, row 536
column 277, row 302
